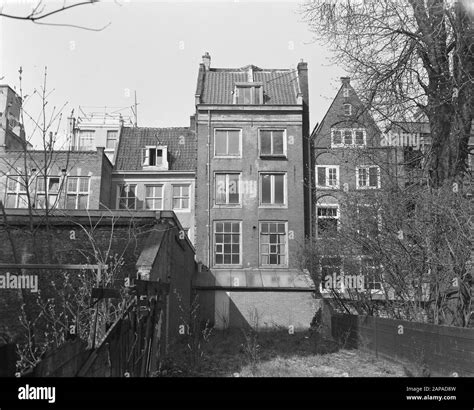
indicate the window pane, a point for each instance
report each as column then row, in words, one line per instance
column 220, row 189
column 266, row 189
column 84, row 185
column 22, row 201
column 321, row 176
column 278, row 142
column 279, row 194
column 362, row 177
column 234, row 142
column 233, row 189
column 12, row 183
column 373, row 176
column 71, row 185
column 11, row 198
column 348, row 137
column 82, row 202
column 337, row 137
column 265, row 142
column 221, row 143
column 71, row 202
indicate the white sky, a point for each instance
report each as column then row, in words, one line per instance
column 155, row 47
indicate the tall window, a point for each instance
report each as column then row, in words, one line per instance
column 345, row 92
column 272, row 189
column 127, row 198
column 348, row 137
column 368, row 177
column 112, row 137
column 227, row 189
column 227, row 243
column 180, row 196
column 16, row 195
column 153, row 196
column 248, row 94
column 86, row 139
column 328, row 220
column 273, row 244
column 327, row 176
column 272, row 143
column 54, row 184
column 227, row 143
column 347, row 109
column 77, row 195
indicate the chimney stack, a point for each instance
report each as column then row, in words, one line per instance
column 346, row 80
column 206, row 60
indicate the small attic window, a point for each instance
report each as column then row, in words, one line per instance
column 248, row 93
column 347, row 109
column 155, row 157
column 345, row 92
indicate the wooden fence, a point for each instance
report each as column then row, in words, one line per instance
column 132, row 347
column 442, row 350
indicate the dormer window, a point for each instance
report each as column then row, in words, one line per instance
column 155, row 156
column 248, row 93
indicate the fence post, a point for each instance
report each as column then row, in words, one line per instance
column 375, row 337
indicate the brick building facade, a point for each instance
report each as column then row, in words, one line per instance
column 251, row 126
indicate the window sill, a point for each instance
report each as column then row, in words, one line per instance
column 275, row 157
column 227, row 206
column 333, row 188
column 273, row 206
column 367, row 187
column 228, row 157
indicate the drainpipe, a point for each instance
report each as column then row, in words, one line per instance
column 209, row 188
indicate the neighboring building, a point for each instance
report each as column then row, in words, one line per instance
column 350, row 157
column 93, row 129
column 69, row 180
column 10, row 128
column 155, row 170
column 252, row 139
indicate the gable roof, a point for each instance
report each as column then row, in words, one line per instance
column 216, row 85
column 181, row 143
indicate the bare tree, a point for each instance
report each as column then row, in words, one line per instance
column 406, row 55
column 41, row 11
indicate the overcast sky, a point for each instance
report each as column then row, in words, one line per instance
column 155, row 47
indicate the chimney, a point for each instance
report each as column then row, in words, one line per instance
column 192, row 122
column 206, row 60
column 346, row 80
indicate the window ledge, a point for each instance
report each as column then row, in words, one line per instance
column 273, row 206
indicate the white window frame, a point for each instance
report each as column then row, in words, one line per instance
column 227, row 203
column 153, row 198
column 240, row 142
column 56, row 195
column 379, row 216
column 345, row 92
column 366, row 284
column 214, row 252
column 353, row 132
column 272, row 155
column 341, row 273
column 77, row 193
column 337, row 217
column 109, row 132
column 20, row 190
column 345, row 105
column 91, row 134
column 146, row 157
column 272, row 189
column 336, row 167
column 367, row 168
column 119, row 188
column 181, row 197
column 284, row 265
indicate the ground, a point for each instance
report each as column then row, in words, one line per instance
column 236, row 353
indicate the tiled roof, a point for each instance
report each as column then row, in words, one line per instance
column 216, row 85
column 181, row 143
